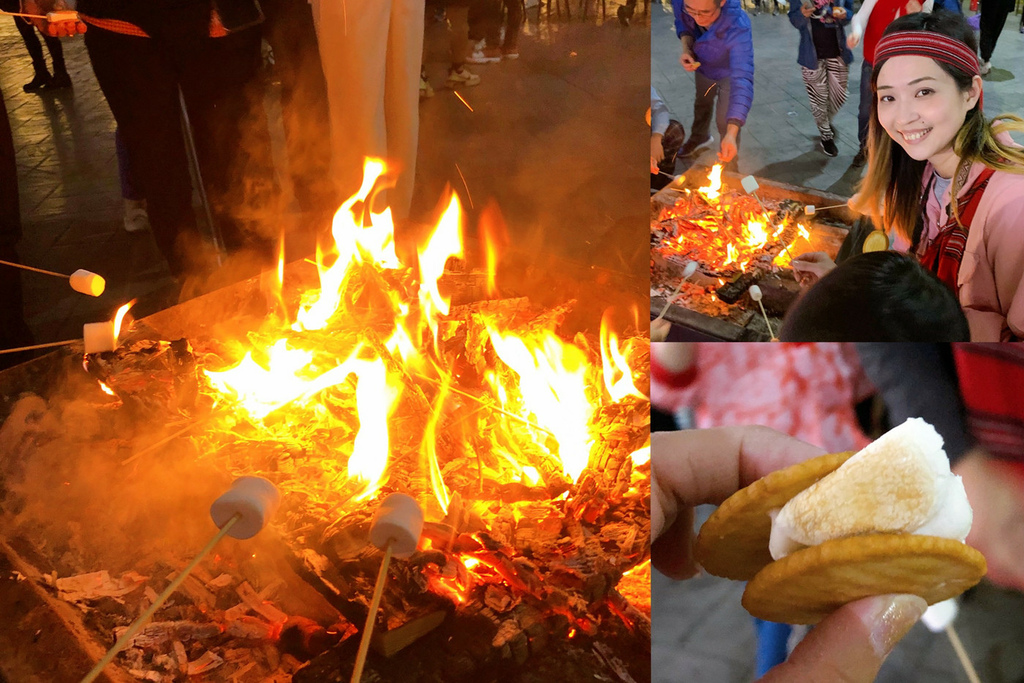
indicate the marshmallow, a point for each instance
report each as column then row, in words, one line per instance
column 809, row 209
column 690, row 269
column 754, row 292
column 940, row 615
column 254, row 498
column 749, row 184
column 99, row 337
column 399, row 521
column 901, row 483
column 87, row 283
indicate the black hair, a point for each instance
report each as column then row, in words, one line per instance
column 881, row 296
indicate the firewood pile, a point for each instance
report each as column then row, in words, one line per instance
column 517, row 571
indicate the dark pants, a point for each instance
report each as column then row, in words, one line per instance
column 993, row 18
column 219, row 77
column 704, row 106
column 864, row 108
column 305, row 115
column 130, row 188
column 13, row 330
column 513, row 24
column 32, row 44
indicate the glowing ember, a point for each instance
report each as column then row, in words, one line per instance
column 641, row 456
column 106, row 390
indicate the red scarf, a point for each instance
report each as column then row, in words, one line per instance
column 944, row 255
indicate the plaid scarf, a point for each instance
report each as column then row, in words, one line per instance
column 990, row 379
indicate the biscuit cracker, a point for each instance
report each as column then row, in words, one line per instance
column 805, row 587
column 733, row 542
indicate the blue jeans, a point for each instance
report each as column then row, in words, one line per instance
column 864, row 112
column 771, row 644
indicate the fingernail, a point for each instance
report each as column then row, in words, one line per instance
column 889, row 617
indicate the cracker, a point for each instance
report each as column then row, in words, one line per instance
column 733, row 543
column 805, row 587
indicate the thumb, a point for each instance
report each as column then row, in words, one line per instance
column 851, row 644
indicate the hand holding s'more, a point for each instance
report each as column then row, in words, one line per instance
column 812, row 537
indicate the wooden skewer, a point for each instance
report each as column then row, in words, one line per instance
column 160, row 600
column 20, row 14
column 770, row 333
column 834, row 206
column 371, row 616
column 668, row 302
column 39, row 346
column 961, row 653
column 34, row 270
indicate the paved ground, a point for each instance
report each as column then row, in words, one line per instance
column 553, row 139
column 780, row 138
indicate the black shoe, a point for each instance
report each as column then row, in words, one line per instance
column 691, row 146
column 829, row 147
column 861, row 158
column 624, row 16
column 59, row 82
column 41, row 80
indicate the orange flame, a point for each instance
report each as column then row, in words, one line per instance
column 618, row 377
column 493, row 236
column 106, row 390
column 711, row 192
column 119, row 317
column 641, row 456
column 430, row 449
column 443, row 244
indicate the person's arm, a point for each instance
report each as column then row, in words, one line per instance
column 660, row 115
column 919, row 380
column 796, row 16
column 848, row 6
column 859, row 22
column 741, row 87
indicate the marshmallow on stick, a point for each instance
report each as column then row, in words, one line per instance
column 900, row 483
column 87, row 283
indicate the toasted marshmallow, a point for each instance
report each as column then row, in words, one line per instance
column 901, row 483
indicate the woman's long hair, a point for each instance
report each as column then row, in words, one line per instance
column 891, row 190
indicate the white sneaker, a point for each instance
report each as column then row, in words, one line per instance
column 461, row 77
column 985, row 68
column 136, row 219
column 485, row 57
column 425, row 89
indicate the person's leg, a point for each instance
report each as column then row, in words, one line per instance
column 305, row 115
column 993, row 18
column 838, row 80
column 459, row 75
column 816, row 84
column 513, row 25
column 35, row 51
column 224, row 94
column 703, row 107
column 61, row 79
column 142, row 91
column 864, row 107
column 401, row 100
column 355, row 64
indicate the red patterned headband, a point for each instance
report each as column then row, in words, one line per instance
column 938, row 46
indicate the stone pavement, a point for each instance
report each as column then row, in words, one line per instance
column 553, row 138
column 780, row 140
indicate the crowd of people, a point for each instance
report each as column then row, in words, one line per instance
column 944, row 183
column 187, row 83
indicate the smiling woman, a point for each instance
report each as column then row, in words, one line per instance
column 947, row 184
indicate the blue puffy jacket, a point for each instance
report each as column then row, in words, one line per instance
column 724, row 50
column 806, row 55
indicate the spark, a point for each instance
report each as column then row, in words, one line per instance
column 463, row 100
column 466, row 185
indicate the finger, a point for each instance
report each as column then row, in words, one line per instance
column 672, row 552
column 82, row 28
column 708, row 465
column 851, row 644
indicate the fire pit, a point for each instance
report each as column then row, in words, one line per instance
column 736, row 240
column 340, row 381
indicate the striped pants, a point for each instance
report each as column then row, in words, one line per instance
column 826, row 88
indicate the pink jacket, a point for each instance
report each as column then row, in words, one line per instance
column 991, row 281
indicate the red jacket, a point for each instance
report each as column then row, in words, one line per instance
column 991, row 377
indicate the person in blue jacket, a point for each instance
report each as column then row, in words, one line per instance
column 718, row 47
column 824, row 59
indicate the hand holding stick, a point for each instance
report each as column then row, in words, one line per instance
column 755, row 294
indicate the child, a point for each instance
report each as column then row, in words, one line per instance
column 879, row 296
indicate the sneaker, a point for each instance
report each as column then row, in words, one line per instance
column 1022, row 28
column 511, row 53
column 986, row 67
column 829, row 147
column 425, row 89
column 59, row 82
column 860, row 158
column 41, row 80
column 624, row 16
column 489, row 55
column 462, row 76
column 136, row 218
column 691, row 146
